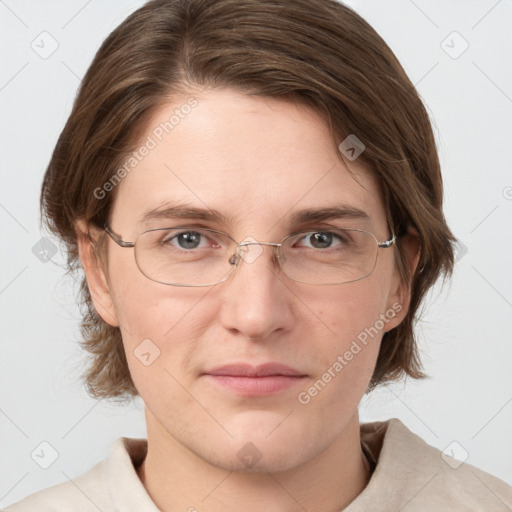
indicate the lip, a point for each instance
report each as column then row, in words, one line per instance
column 262, row 370
column 248, row 380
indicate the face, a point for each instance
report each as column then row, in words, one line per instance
column 257, row 162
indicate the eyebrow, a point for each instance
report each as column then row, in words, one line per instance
column 184, row 211
column 328, row 213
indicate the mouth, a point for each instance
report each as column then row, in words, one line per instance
column 247, row 380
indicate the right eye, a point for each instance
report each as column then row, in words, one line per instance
column 186, row 240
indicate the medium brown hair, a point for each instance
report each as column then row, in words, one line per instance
column 318, row 52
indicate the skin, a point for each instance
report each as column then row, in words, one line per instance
column 256, row 160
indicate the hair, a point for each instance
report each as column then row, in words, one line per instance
column 320, row 53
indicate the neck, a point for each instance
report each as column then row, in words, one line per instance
column 178, row 479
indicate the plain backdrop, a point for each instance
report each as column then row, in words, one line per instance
column 456, row 52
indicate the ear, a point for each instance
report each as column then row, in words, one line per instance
column 400, row 294
column 97, row 281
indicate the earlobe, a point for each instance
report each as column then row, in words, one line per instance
column 96, row 279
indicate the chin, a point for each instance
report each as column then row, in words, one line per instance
column 252, row 460
column 277, row 444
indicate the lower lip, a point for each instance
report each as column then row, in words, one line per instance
column 256, row 385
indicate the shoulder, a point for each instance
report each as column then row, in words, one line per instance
column 77, row 494
column 410, row 471
column 94, row 490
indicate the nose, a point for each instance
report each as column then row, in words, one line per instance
column 257, row 301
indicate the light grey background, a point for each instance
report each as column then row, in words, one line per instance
column 466, row 331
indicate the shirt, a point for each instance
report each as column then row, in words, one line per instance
column 408, row 474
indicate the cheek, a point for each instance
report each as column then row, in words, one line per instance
column 353, row 308
column 160, row 325
column 346, row 357
column 146, row 308
column 355, row 318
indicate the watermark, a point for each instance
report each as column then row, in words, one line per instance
column 454, row 454
column 351, row 147
column 250, row 255
column 304, row 397
column 454, row 45
column 44, row 249
column 249, row 455
column 507, row 193
column 45, row 45
column 44, row 455
column 146, row 352
column 459, row 250
column 157, row 135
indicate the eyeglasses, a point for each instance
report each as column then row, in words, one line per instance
column 189, row 256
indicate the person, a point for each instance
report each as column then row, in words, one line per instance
column 253, row 192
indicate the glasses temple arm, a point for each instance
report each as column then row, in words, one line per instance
column 388, row 243
column 116, row 239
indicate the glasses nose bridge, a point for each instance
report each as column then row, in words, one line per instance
column 235, row 258
column 252, row 242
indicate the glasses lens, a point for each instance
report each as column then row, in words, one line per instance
column 329, row 257
column 201, row 257
column 184, row 256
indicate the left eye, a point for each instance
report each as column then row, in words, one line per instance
column 322, row 239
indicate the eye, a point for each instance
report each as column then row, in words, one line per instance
column 188, row 240
column 324, row 239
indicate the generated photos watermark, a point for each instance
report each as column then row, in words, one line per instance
column 305, row 397
column 157, row 135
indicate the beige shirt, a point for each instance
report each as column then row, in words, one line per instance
column 409, row 475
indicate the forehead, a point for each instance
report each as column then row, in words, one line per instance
column 251, row 159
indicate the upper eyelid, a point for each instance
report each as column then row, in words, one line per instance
column 321, row 228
